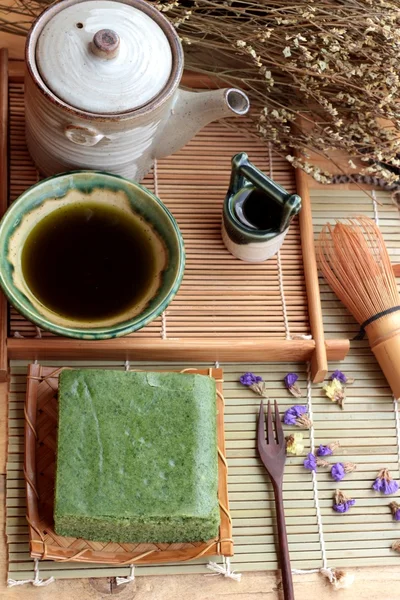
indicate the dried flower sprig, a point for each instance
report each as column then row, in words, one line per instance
column 384, row 483
column 396, row 546
column 290, row 381
column 294, row 444
column 341, row 377
column 339, row 470
column 254, row 383
column 395, row 508
column 335, row 392
column 327, row 450
column 335, row 389
column 339, row 578
column 338, row 59
column 341, row 502
column 297, row 415
column 312, row 462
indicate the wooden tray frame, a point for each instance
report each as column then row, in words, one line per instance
column 42, row 392
column 317, row 350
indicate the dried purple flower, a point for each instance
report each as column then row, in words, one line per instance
column 338, row 375
column 341, row 502
column 249, row 379
column 289, row 418
column 291, row 384
column 390, row 487
column 395, row 508
column 310, row 462
column 324, row 451
column 384, row 483
column 338, row 472
column 328, row 449
column 341, row 508
column 254, row 383
column 290, row 379
column 342, row 377
column 296, row 415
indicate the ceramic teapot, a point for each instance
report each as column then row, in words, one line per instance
column 102, row 89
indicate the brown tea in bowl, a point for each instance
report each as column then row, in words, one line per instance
column 90, row 261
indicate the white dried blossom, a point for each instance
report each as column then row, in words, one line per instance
column 286, row 52
column 166, row 7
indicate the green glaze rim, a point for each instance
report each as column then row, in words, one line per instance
column 90, row 180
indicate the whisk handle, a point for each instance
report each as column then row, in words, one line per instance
column 384, row 339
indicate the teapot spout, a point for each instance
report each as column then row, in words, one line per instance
column 192, row 111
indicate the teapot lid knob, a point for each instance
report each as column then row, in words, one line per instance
column 105, row 43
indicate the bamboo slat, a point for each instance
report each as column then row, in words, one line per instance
column 178, row 349
column 319, row 364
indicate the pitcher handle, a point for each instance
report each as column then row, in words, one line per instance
column 244, row 171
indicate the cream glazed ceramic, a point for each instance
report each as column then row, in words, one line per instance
column 102, row 89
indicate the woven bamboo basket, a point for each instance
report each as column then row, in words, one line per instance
column 39, row 472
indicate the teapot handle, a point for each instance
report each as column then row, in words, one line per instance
column 83, row 136
column 243, row 171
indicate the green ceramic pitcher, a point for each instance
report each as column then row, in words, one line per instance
column 257, row 212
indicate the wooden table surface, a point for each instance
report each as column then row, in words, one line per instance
column 381, row 583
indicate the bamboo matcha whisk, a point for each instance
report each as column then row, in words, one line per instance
column 354, row 260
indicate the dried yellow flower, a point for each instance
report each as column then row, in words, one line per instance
column 294, row 444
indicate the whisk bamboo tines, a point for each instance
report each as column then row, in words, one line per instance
column 354, row 260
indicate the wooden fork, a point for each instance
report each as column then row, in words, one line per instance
column 273, row 455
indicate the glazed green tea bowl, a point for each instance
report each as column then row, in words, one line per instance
column 90, row 255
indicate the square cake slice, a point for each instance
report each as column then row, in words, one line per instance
column 137, row 457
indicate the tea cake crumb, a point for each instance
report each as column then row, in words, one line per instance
column 137, row 457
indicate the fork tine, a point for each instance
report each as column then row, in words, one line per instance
column 278, row 426
column 260, row 428
column 270, row 429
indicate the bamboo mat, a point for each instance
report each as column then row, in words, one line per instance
column 219, row 294
column 366, row 430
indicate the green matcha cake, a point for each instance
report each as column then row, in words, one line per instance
column 137, row 457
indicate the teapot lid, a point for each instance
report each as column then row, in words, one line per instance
column 103, row 56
